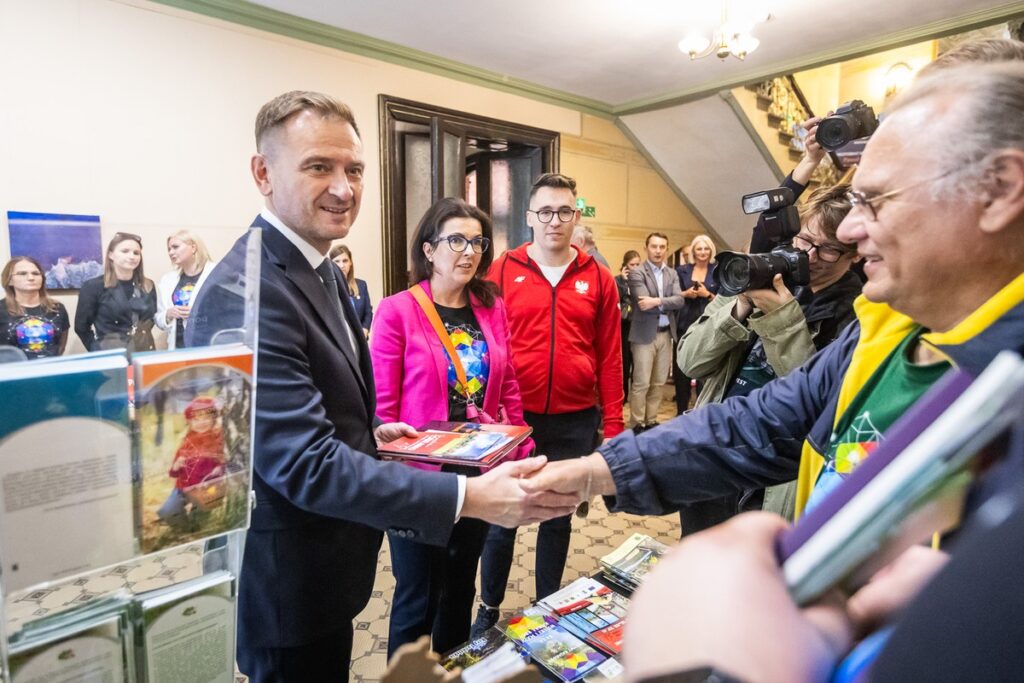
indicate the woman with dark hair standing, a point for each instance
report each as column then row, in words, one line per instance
column 342, row 256
column 117, row 308
column 29, row 319
column 417, row 381
column 630, row 260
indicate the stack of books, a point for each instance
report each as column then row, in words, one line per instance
column 628, row 564
column 590, row 611
column 491, row 657
column 458, row 443
column 556, row 649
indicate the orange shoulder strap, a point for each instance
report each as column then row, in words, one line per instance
column 435, row 320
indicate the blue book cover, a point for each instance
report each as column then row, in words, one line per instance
column 65, row 469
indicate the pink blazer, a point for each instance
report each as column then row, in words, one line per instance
column 410, row 366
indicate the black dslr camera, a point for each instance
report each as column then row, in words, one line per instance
column 737, row 272
column 851, row 121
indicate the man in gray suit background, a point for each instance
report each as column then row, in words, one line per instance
column 654, row 288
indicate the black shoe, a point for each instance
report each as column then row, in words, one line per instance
column 485, row 619
column 638, row 429
column 651, row 426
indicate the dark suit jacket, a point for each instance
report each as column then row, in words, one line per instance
column 643, row 325
column 322, row 498
column 362, row 305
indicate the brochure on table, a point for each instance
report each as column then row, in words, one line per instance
column 108, row 457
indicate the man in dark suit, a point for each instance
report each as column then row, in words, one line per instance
column 322, row 498
column 654, row 288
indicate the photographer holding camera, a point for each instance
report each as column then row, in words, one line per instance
column 742, row 342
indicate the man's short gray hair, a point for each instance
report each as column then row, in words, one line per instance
column 278, row 110
column 984, row 106
column 582, row 235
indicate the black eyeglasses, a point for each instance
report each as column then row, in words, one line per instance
column 565, row 214
column 122, row 236
column 458, row 243
column 826, row 253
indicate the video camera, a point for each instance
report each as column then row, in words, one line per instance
column 738, row 272
column 852, row 121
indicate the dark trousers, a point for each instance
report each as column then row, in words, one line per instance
column 559, row 437
column 435, row 587
column 704, row 514
column 627, row 359
column 323, row 661
column 683, row 391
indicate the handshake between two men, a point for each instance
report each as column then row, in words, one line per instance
column 526, row 491
column 535, row 490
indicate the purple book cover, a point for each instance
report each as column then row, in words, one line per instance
column 903, row 432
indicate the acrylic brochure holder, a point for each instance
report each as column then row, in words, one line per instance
column 125, row 495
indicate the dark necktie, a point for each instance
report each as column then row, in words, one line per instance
column 326, row 272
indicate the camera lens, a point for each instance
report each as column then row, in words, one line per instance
column 834, row 132
column 733, row 272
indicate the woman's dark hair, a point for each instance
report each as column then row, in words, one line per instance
column 629, row 256
column 431, row 226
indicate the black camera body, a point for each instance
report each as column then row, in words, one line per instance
column 852, row 121
column 737, row 272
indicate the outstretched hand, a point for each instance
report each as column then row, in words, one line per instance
column 498, row 497
column 571, row 477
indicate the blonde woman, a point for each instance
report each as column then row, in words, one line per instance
column 697, row 281
column 341, row 255
column 178, row 288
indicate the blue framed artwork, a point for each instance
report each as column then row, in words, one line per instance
column 68, row 246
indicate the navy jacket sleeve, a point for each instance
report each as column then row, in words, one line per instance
column 743, row 443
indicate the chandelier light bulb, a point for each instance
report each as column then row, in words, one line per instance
column 693, row 44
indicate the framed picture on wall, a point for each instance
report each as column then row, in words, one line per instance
column 68, row 246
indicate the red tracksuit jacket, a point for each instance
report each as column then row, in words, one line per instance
column 566, row 342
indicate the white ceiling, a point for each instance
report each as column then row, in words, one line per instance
column 624, row 54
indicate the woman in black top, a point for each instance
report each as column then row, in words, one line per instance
column 29, row 319
column 117, row 309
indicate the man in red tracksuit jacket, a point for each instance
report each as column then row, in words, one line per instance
column 563, row 310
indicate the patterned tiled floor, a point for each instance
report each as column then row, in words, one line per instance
column 592, row 538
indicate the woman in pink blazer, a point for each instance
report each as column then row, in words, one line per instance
column 416, row 383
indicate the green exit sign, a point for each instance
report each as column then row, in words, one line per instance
column 585, row 211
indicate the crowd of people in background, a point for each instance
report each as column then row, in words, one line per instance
column 120, row 308
column 546, row 335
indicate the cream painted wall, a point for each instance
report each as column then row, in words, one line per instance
column 630, row 197
column 864, row 78
column 143, row 114
column 821, row 87
column 769, row 133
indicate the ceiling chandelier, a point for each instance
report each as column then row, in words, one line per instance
column 731, row 36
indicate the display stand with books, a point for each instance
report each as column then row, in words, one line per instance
column 125, row 492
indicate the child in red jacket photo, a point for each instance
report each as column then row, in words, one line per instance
column 199, row 458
